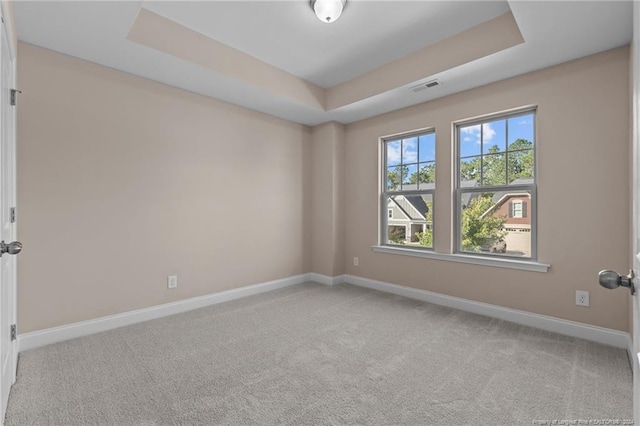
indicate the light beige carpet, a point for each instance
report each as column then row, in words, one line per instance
column 313, row 354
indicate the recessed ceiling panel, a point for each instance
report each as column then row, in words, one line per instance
column 287, row 34
column 165, row 35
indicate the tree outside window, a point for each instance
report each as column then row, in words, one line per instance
column 496, row 181
column 409, row 185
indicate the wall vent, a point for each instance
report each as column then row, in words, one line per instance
column 428, row 85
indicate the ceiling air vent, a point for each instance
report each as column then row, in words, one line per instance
column 428, row 85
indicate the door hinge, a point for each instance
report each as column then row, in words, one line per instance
column 13, row 332
column 12, row 215
column 13, row 96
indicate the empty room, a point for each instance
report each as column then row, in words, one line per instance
column 319, row 212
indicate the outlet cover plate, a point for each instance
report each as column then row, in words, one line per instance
column 172, row 281
column 582, row 298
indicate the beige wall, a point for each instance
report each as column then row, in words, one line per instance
column 327, row 195
column 123, row 181
column 583, row 139
column 139, row 181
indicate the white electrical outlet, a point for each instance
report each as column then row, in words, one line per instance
column 172, row 281
column 582, row 298
column 356, row 261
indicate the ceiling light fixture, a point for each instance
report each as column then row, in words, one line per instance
column 328, row 11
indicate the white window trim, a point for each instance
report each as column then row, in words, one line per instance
column 526, row 264
column 384, row 194
column 532, row 188
column 500, row 262
column 519, row 203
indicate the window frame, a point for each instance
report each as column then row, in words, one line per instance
column 383, row 237
column 530, row 188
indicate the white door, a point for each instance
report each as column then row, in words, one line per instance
column 635, row 57
column 8, row 356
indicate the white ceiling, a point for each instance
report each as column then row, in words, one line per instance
column 287, row 35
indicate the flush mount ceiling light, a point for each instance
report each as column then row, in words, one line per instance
column 328, row 11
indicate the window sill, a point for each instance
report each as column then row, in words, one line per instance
column 524, row 265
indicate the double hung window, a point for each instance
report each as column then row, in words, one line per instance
column 409, row 173
column 496, row 186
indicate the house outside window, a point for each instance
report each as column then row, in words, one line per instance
column 408, row 189
column 496, row 186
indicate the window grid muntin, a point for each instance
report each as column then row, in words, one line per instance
column 531, row 188
column 401, row 138
column 489, row 118
column 386, row 193
column 385, row 222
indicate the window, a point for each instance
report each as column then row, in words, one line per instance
column 496, row 186
column 494, row 193
column 409, row 173
column 516, row 210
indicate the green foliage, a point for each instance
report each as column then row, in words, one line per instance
column 426, row 238
column 481, row 231
column 394, row 177
column 478, row 231
column 495, row 165
column 520, row 162
column 470, row 170
column 493, row 168
column 427, row 174
column 396, row 234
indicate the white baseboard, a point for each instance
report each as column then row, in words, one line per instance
column 606, row 336
column 40, row 338
column 325, row 279
column 631, row 352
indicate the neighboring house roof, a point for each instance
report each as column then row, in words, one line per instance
column 500, row 194
column 412, row 206
column 414, row 186
column 498, row 198
column 418, row 203
column 468, row 196
column 501, row 197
